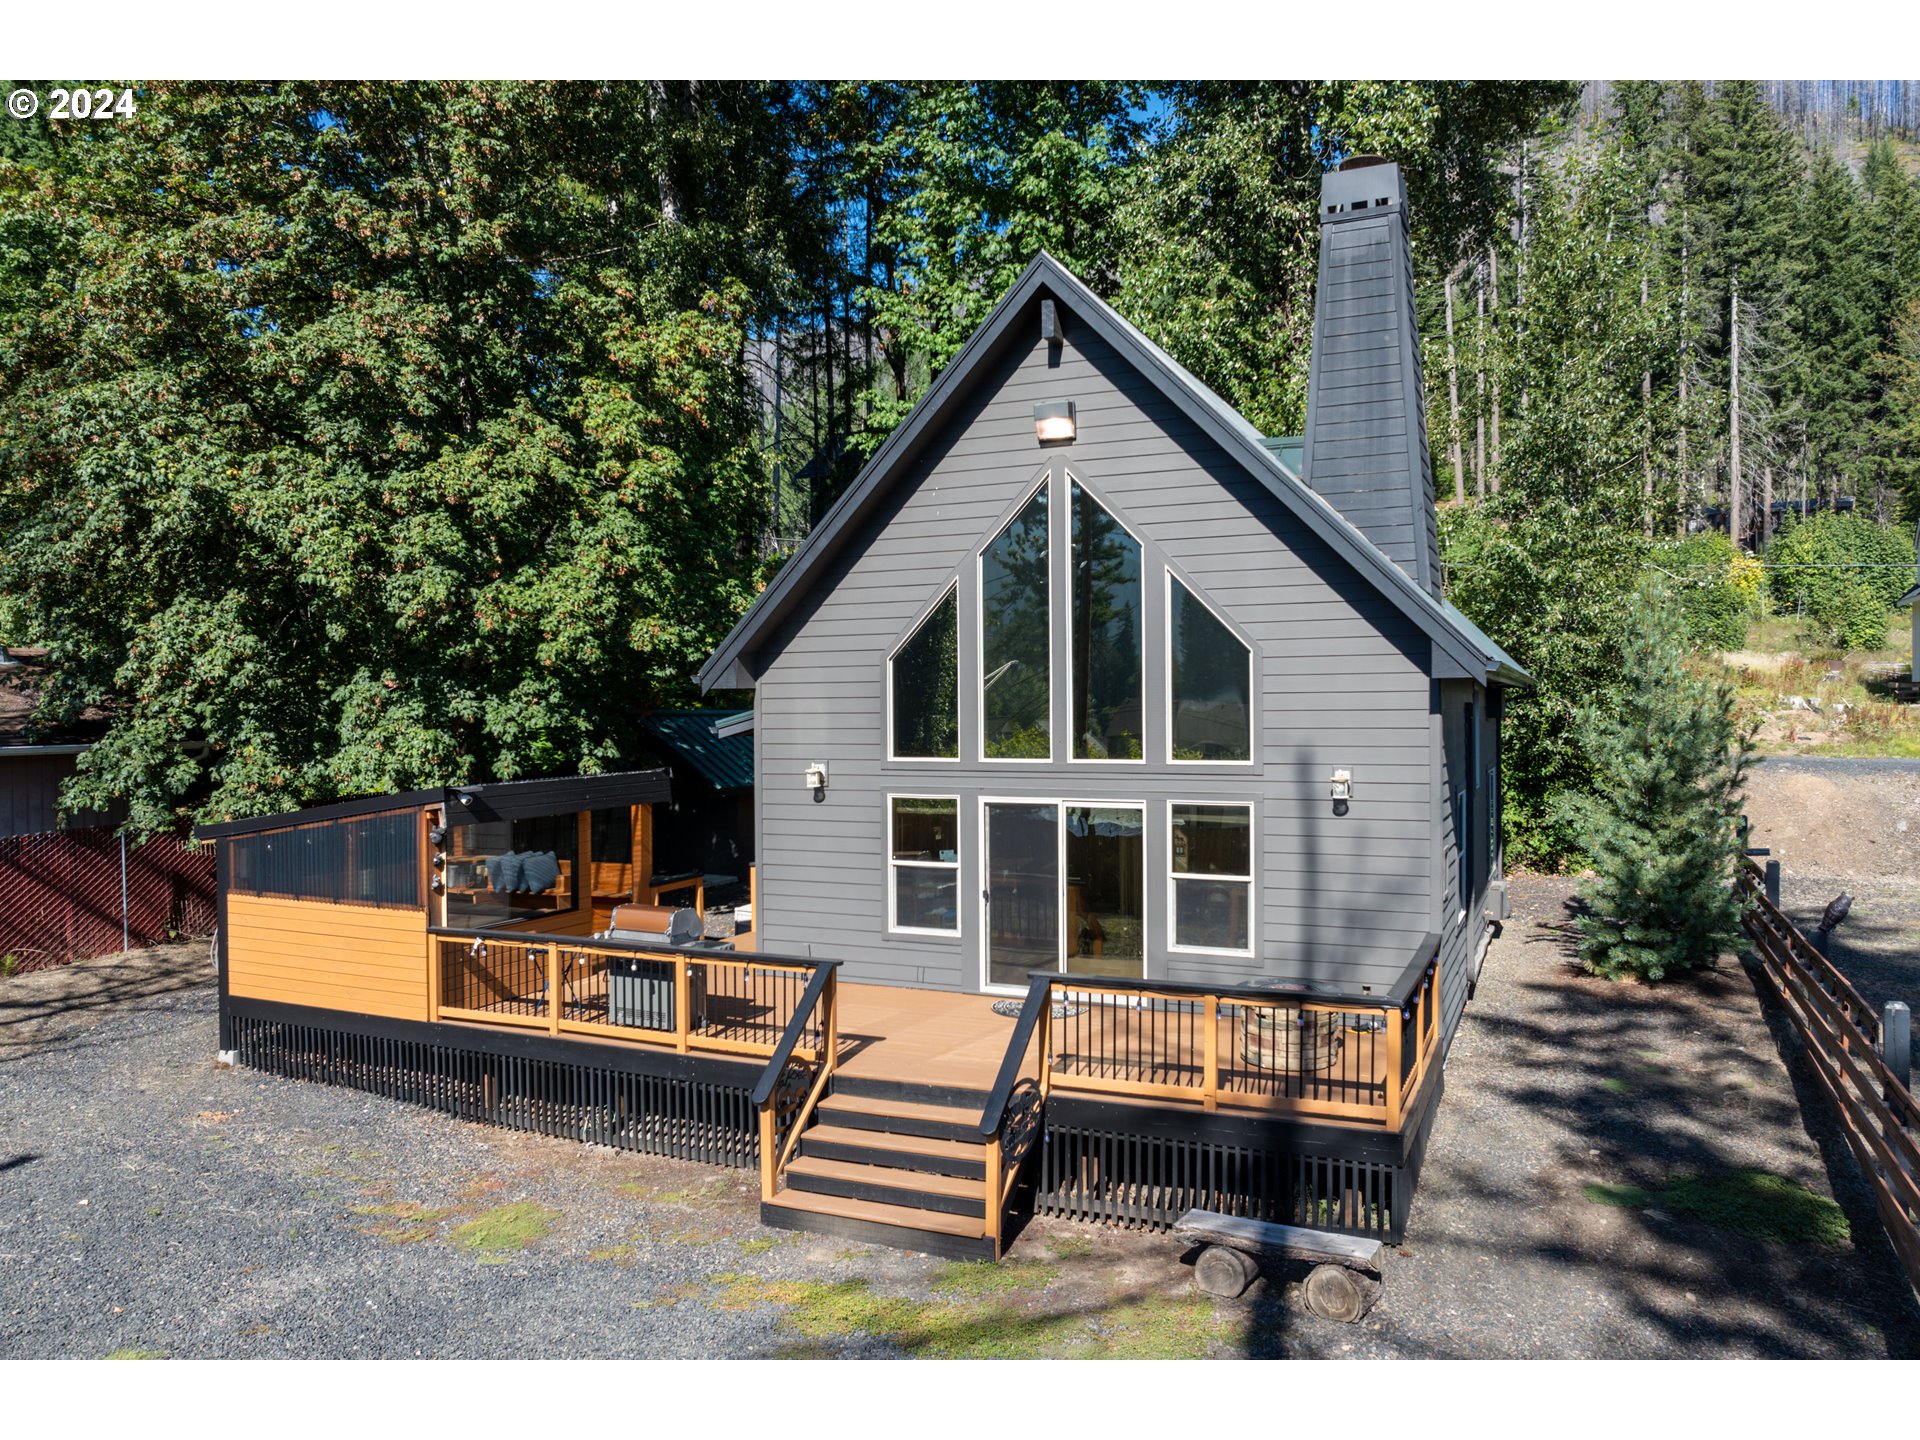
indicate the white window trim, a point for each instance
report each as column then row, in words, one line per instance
column 1253, row 886
column 1061, row 805
column 1253, row 725
column 1073, row 479
column 894, row 927
column 953, row 589
column 980, row 627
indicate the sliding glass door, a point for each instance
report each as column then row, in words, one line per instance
column 1065, row 890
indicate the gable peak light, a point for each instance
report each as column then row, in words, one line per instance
column 1053, row 421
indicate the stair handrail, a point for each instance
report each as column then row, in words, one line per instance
column 1039, row 997
column 796, row 1027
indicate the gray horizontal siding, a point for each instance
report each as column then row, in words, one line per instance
column 1341, row 674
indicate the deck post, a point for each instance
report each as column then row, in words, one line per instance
column 682, row 1005
column 555, row 1005
column 832, row 1030
column 769, row 1149
column 1395, row 1030
column 995, row 1159
column 1045, row 1031
column 1210, row 1076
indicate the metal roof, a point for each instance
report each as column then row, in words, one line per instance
column 1459, row 649
column 724, row 760
column 473, row 804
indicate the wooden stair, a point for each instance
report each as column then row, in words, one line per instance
column 891, row 1164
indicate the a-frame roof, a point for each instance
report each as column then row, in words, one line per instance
column 1460, row 649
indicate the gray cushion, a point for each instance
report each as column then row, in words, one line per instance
column 539, row 870
column 504, row 871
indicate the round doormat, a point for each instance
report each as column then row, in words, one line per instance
column 1011, row 1009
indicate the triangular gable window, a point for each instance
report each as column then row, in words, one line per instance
column 925, row 683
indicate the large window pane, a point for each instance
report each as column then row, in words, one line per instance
column 1106, row 635
column 1212, row 840
column 1210, row 914
column 1023, row 891
column 926, row 828
column 926, row 687
column 1015, row 712
column 1105, row 858
column 925, row 898
column 1212, row 684
column 507, row 870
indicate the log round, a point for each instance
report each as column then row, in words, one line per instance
column 1224, row 1272
column 1337, row 1293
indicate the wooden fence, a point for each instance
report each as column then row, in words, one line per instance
column 1842, row 1037
column 69, row 895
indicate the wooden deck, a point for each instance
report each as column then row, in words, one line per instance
column 925, row 1037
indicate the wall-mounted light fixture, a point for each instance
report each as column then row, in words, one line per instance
column 1342, row 790
column 817, row 781
column 1053, row 421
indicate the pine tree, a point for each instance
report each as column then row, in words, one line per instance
column 1662, row 822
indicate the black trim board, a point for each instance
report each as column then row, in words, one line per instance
column 776, row 1216
column 1301, row 1136
column 472, row 804
column 515, row 1043
column 1456, row 650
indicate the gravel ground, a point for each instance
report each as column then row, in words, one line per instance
column 153, row 1204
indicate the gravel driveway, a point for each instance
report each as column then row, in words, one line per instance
column 153, row 1205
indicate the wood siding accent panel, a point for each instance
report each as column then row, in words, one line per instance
column 1341, row 683
column 333, row 957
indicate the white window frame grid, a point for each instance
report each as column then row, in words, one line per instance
column 1045, row 482
column 1253, row 747
column 1073, row 479
column 1253, row 885
column 952, row 588
column 894, row 927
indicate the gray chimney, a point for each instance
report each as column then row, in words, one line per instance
column 1366, row 448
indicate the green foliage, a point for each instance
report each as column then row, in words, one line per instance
column 1843, row 572
column 505, row 1227
column 1706, row 574
column 380, row 436
column 1553, row 584
column 1218, row 231
column 1660, row 823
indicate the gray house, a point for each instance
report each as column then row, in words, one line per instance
column 1085, row 693
column 1081, row 675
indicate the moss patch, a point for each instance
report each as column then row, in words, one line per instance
column 1070, row 1247
column 404, row 1223
column 622, row 1255
column 506, row 1227
column 1754, row 1203
column 1620, row 1197
column 757, row 1247
column 983, row 1277
column 994, row 1326
column 132, row 1353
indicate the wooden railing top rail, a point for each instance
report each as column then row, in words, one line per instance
column 758, row 958
column 796, row 1027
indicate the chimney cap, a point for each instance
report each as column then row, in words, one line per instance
column 1363, row 183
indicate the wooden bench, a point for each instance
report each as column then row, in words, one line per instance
column 1344, row 1284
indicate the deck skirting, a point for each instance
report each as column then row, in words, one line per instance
column 1139, row 1166
column 595, row 1094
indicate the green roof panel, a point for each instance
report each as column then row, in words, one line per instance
column 724, row 763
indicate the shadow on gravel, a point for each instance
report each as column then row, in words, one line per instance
column 1666, row 1083
column 35, row 1008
